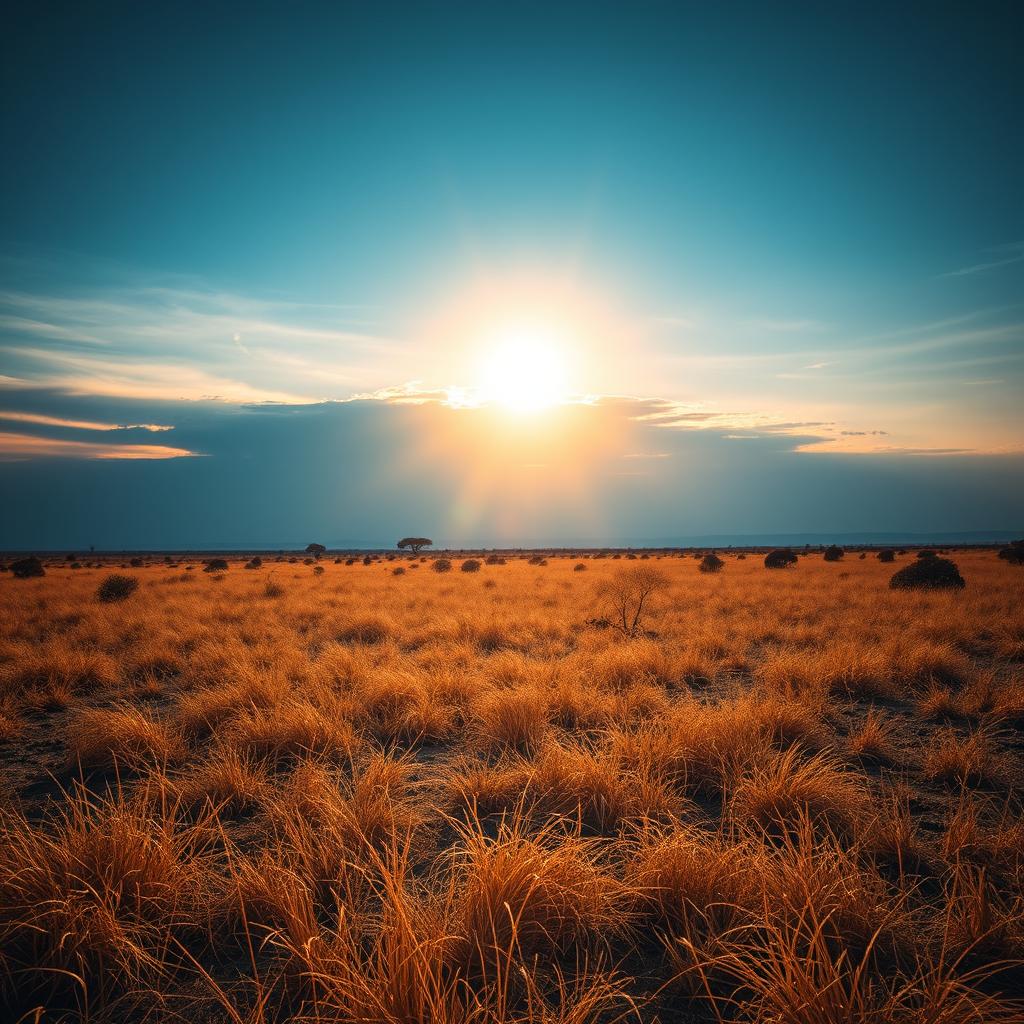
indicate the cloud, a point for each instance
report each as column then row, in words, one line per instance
column 159, row 341
column 56, row 421
column 787, row 326
column 1005, row 255
column 26, row 446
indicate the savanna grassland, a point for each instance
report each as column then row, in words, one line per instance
column 358, row 795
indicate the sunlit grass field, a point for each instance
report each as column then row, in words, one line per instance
column 363, row 795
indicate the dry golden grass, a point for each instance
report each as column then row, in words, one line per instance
column 392, row 798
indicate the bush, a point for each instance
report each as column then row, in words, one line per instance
column 833, row 553
column 926, row 553
column 495, row 560
column 116, row 588
column 470, row 565
column 254, row 563
column 1013, row 552
column 441, row 565
column 399, row 571
column 216, row 565
column 780, row 558
column 887, row 555
column 711, row 563
column 367, row 560
column 579, row 567
column 25, row 568
column 930, row 573
column 626, row 594
column 351, row 561
column 318, row 570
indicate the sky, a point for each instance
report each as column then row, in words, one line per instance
column 509, row 273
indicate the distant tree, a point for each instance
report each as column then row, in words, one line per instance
column 316, row 550
column 780, row 558
column 627, row 594
column 25, row 568
column 415, row 544
column 833, row 553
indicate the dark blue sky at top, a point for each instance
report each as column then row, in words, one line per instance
column 854, row 165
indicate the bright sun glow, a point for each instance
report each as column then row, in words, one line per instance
column 524, row 368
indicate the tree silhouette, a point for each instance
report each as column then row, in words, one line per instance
column 316, row 550
column 415, row 544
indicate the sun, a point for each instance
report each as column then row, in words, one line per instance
column 524, row 368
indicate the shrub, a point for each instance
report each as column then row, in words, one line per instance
column 926, row 553
column 627, row 594
column 711, row 563
column 116, row 588
column 272, row 589
column 441, row 565
column 399, row 571
column 351, row 561
column 318, row 570
column 216, row 565
column 579, row 567
column 494, row 560
column 470, row 565
column 254, row 563
column 1013, row 552
column 887, row 555
column 136, row 563
column 25, row 568
column 928, row 573
column 780, row 558
column 367, row 560
column 833, row 553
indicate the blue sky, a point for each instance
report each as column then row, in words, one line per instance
column 776, row 247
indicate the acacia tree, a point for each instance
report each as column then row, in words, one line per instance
column 316, row 550
column 415, row 544
column 627, row 593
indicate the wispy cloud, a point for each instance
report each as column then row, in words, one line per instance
column 786, row 326
column 1002, row 256
column 27, row 446
column 189, row 343
column 57, row 421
